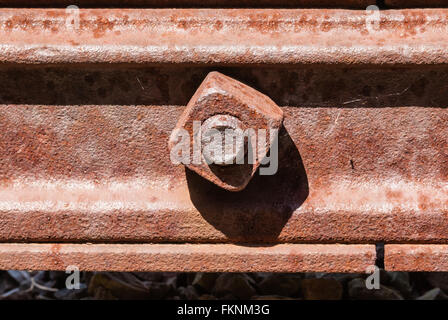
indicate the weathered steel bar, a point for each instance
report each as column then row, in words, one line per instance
column 405, row 257
column 349, row 4
column 193, row 3
column 155, row 216
column 362, row 158
column 103, row 173
column 206, row 257
column 224, row 36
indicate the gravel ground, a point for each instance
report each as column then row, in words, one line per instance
column 191, row 286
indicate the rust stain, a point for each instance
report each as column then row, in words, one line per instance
column 55, row 256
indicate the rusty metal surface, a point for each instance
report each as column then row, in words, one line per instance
column 224, row 36
column 363, row 158
column 206, row 258
column 405, row 257
column 191, row 3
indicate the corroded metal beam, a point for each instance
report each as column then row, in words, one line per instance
column 405, row 257
column 224, row 36
column 192, row 3
column 84, row 139
column 205, row 258
column 103, row 173
column 362, row 158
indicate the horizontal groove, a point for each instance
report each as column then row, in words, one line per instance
column 224, row 37
column 188, row 257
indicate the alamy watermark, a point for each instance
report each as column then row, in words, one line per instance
column 72, row 20
column 373, row 280
column 72, row 281
column 373, row 18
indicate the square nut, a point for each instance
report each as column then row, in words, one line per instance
column 222, row 105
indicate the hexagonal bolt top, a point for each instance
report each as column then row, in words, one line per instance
column 222, row 105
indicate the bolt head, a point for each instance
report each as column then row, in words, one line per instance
column 221, row 102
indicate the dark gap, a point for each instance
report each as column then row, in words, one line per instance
column 379, row 262
column 381, row 4
column 297, row 86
